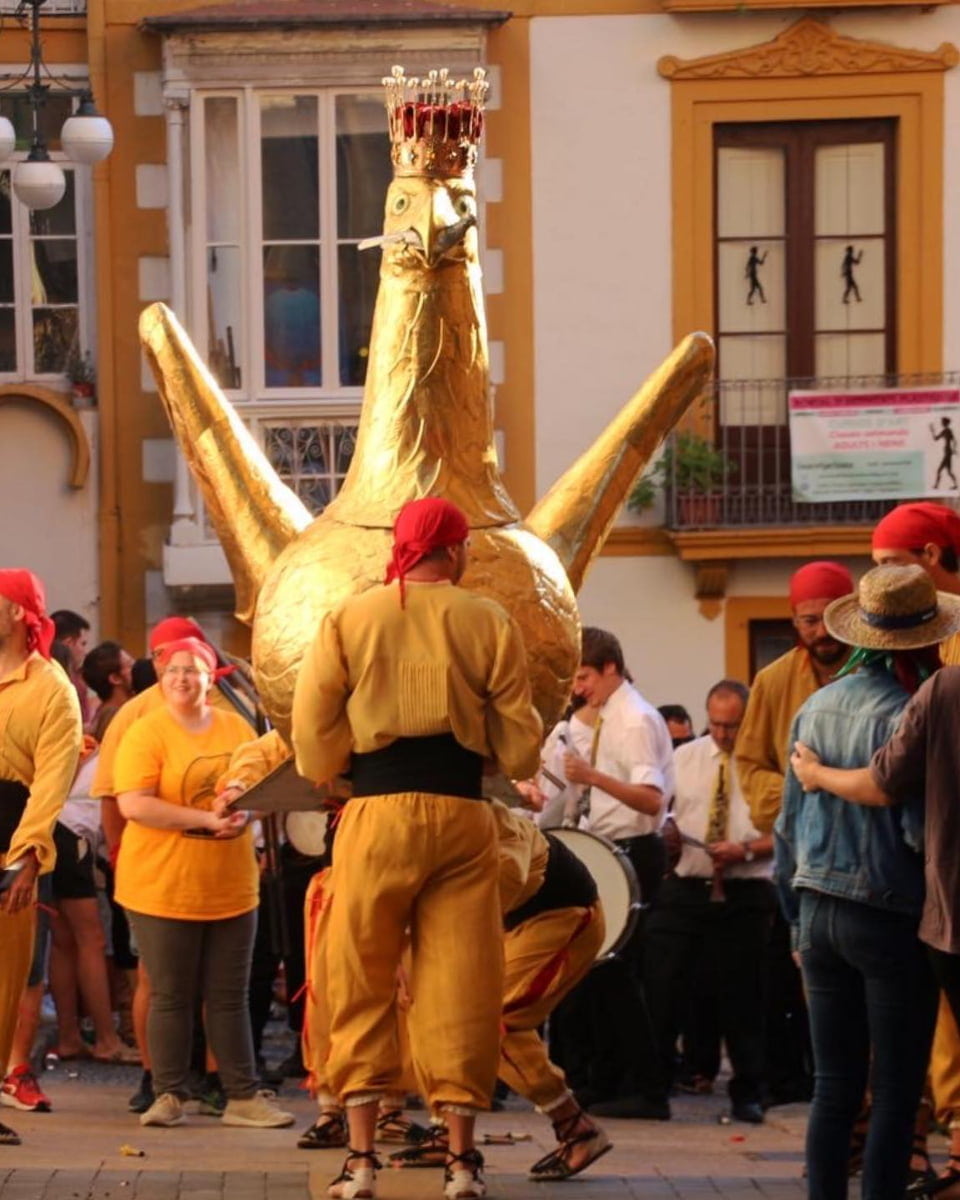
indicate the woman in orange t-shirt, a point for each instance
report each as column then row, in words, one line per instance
column 188, row 879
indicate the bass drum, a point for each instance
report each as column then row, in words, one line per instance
column 307, row 832
column 616, row 882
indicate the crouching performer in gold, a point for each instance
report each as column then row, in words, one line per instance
column 413, row 687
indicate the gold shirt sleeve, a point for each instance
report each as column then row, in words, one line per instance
column 254, row 760
column 322, row 740
column 40, row 748
column 514, row 728
column 761, row 779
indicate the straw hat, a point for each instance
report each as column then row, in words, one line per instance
column 896, row 608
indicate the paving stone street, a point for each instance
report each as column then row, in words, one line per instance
column 74, row 1153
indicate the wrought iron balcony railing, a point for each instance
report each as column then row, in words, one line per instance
column 743, row 477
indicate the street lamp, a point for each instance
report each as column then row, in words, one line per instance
column 87, row 137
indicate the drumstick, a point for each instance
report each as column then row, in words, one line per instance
column 692, row 841
column 554, row 779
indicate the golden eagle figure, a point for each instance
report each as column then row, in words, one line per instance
column 426, row 428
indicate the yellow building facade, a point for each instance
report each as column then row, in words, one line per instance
column 638, row 152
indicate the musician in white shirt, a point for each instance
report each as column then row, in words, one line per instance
column 629, row 773
column 714, row 913
column 630, row 768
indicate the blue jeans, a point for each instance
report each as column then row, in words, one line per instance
column 872, row 1001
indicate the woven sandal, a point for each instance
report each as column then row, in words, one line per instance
column 328, row 1132
column 463, row 1176
column 393, row 1126
column 432, row 1151
column 556, row 1165
column 356, row 1183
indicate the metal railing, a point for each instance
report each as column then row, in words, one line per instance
column 744, row 480
column 51, row 8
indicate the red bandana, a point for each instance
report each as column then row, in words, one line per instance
column 913, row 526
column 820, row 581
column 190, row 645
column 421, row 527
column 24, row 588
column 175, row 629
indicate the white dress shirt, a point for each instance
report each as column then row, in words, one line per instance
column 575, row 735
column 634, row 747
column 696, row 767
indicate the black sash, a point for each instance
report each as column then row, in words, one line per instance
column 13, row 801
column 437, row 764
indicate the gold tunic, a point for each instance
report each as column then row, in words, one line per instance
column 762, row 752
column 40, row 739
column 449, row 661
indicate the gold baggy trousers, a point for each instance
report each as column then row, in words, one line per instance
column 17, row 932
column 428, row 863
column 545, row 957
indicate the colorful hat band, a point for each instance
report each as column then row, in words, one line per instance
column 908, row 621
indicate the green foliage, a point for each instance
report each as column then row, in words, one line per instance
column 79, row 366
column 692, row 464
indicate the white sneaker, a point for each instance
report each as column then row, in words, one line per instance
column 258, row 1110
column 356, row 1183
column 167, row 1109
column 463, row 1177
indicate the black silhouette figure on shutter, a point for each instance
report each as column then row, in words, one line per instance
column 850, row 260
column 754, row 262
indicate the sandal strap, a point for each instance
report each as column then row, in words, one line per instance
column 472, row 1159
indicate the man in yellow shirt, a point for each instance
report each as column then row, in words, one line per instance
column 413, row 687
column 40, row 740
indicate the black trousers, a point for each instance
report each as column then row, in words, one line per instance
column 600, row 1034
column 688, row 934
column 789, row 1057
column 296, row 875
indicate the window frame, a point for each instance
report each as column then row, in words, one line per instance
column 254, row 397
column 799, row 141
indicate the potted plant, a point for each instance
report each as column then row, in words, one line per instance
column 695, row 471
column 83, row 378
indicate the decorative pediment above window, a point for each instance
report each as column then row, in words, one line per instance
column 808, row 47
column 326, row 42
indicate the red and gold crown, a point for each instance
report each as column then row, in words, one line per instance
column 435, row 122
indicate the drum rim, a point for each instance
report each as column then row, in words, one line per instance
column 633, row 886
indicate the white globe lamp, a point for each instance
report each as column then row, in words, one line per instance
column 37, row 182
column 87, row 137
column 8, row 138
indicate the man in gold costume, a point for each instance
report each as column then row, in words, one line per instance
column 40, row 740
column 414, row 686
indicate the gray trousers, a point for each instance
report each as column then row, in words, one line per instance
column 208, row 961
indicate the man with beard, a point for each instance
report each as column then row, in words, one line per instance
column 762, row 756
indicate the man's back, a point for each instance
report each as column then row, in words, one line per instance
column 444, row 661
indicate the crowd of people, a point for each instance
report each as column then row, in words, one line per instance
column 793, row 882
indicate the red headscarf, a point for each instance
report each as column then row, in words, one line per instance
column 421, row 527
column 821, row 580
column 192, row 646
column 912, row 526
column 174, row 629
column 24, row 588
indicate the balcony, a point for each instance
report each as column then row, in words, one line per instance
column 748, row 478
